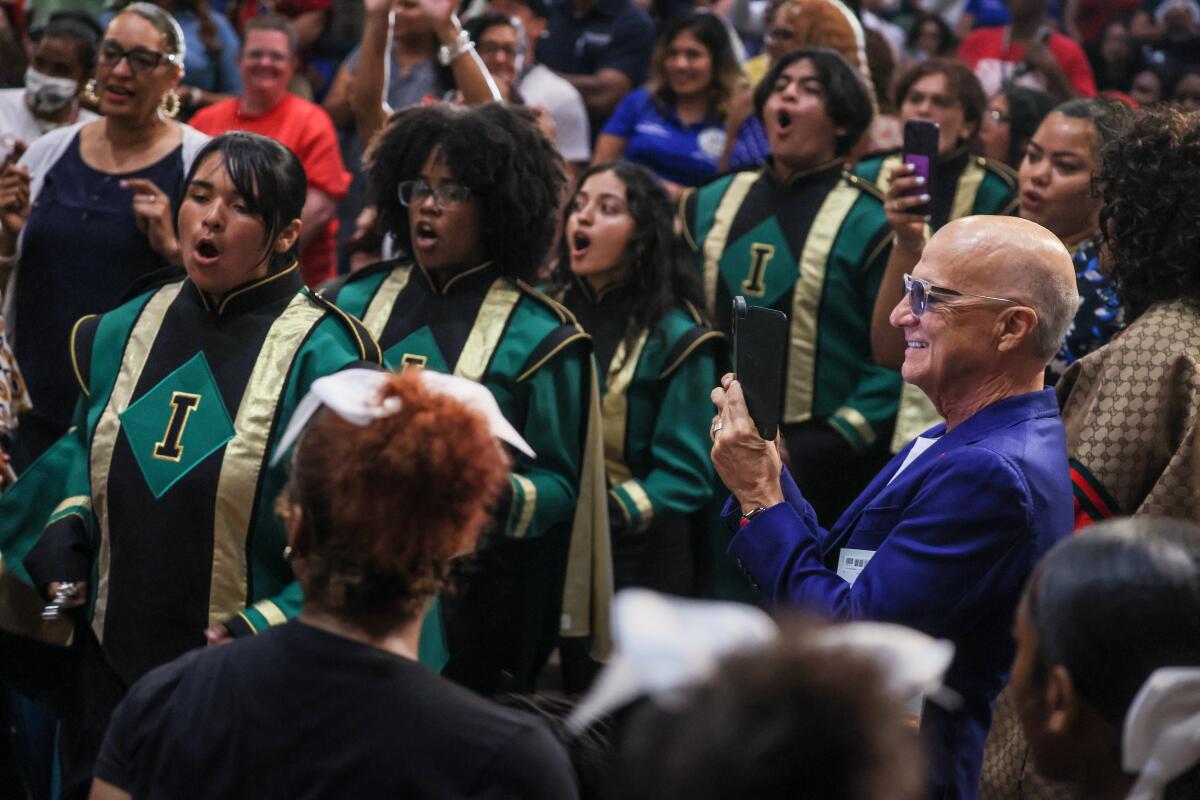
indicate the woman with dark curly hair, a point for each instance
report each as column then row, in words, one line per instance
column 622, row 272
column 470, row 197
column 393, row 477
column 1132, row 408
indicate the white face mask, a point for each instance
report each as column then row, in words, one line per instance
column 45, row 94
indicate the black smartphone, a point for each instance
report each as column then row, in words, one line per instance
column 921, row 150
column 760, row 337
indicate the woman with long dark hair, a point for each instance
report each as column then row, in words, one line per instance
column 470, row 197
column 622, row 274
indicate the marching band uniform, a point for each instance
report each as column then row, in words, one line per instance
column 656, row 441
column 528, row 350
column 814, row 248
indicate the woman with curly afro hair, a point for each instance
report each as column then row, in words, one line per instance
column 470, row 197
column 392, row 476
column 1132, row 408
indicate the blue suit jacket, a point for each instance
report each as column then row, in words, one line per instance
column 955, row 536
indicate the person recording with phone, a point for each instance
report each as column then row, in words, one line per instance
column 944, row 93
column 942, row 106
column 808, row 238
column 945, row 535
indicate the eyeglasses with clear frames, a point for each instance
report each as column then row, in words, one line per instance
column 919, row 292
column 448, row 195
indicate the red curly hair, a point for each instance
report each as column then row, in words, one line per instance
column 386, row 506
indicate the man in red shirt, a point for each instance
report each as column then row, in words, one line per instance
column 268, row 61
column 1029, row 52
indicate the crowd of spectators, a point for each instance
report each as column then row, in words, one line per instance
column 246, row 211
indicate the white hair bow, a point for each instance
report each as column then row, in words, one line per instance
column 665, row 644
column 1161, row 737
column 353, row 394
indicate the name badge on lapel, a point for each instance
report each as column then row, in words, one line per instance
column 852, row 562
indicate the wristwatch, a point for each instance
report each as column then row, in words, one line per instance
column 462, row 44
column 751, row 514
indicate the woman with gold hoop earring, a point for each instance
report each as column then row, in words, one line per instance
column 88, row 210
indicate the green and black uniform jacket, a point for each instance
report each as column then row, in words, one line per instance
column 654, row 399
column 814, row 248
column 535, row 359
column 162, row 493
column 523, row 346
column 963, row 184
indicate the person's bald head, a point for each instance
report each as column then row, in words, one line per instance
column 1000, row 296
column 1014, row 258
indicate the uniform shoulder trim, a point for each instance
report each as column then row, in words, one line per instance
column 368, row 348
column 564, row 315
column 864, row 185
column 330, row 288
column 870, row 168
column 691, row 340
column 151, row 281
column 83, row 336
column 551, row 345
column 1002, row 171
column 688, row 197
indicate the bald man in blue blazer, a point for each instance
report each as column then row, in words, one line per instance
column 943, row 539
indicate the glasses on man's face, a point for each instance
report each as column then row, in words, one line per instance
column 921, row 291
column 141, row 59
column 448, row 195
column 273, row 56
column 486, row 49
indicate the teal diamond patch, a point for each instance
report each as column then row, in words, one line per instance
column 418, row 349
column 177, row 424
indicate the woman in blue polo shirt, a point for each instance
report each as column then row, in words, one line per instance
column 674, row 125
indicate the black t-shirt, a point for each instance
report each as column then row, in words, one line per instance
column 297, row 712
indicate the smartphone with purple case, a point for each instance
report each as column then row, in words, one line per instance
column 921, row 150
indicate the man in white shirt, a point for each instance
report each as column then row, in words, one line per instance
column 540, row 86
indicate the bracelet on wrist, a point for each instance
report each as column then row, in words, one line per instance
column 462, row 44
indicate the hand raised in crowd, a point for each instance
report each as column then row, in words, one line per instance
column 154, row 217
column 442, row 18
column 748, row 464
column 897, row 205
column 14, row 198
column 377, row 6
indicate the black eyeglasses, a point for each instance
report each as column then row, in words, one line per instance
column 141, row 59
column 919, row 292
column 448, row 195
